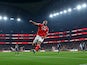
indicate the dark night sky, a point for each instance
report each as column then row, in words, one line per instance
column 38, row 10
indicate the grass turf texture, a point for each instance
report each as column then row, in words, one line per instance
column 46, row 58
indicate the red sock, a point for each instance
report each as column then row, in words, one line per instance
column 37, row 48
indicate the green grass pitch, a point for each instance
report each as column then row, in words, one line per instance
column 46, row 58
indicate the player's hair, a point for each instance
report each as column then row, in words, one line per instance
column 45, row 20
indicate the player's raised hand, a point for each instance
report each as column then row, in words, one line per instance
column 33, row 22
column 30, row 21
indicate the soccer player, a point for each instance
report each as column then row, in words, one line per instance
column 41, row 34
column 82, row 46
column 58, row 47
column 16, row 49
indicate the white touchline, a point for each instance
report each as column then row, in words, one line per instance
column 83, row 64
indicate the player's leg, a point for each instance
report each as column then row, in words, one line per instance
column 16, row 51
column 40, row 40
column 38, row 46
column 83, row 48
column 33, row 47
column 34, row 43
column 58, row 49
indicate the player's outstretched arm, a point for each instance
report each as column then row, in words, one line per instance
column 34, row 22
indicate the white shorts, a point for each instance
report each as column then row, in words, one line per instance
column 38, row 38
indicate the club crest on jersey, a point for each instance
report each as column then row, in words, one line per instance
column 43, row 28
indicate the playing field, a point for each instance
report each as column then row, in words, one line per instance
column 46, row 58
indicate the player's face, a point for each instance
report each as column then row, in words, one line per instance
column 45, row 22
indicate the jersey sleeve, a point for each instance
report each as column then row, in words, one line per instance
column 40, row 25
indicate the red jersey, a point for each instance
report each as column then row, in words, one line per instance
column 42, row 30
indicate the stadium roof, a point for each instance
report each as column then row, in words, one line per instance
column 36, row 7
column 39, row 10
